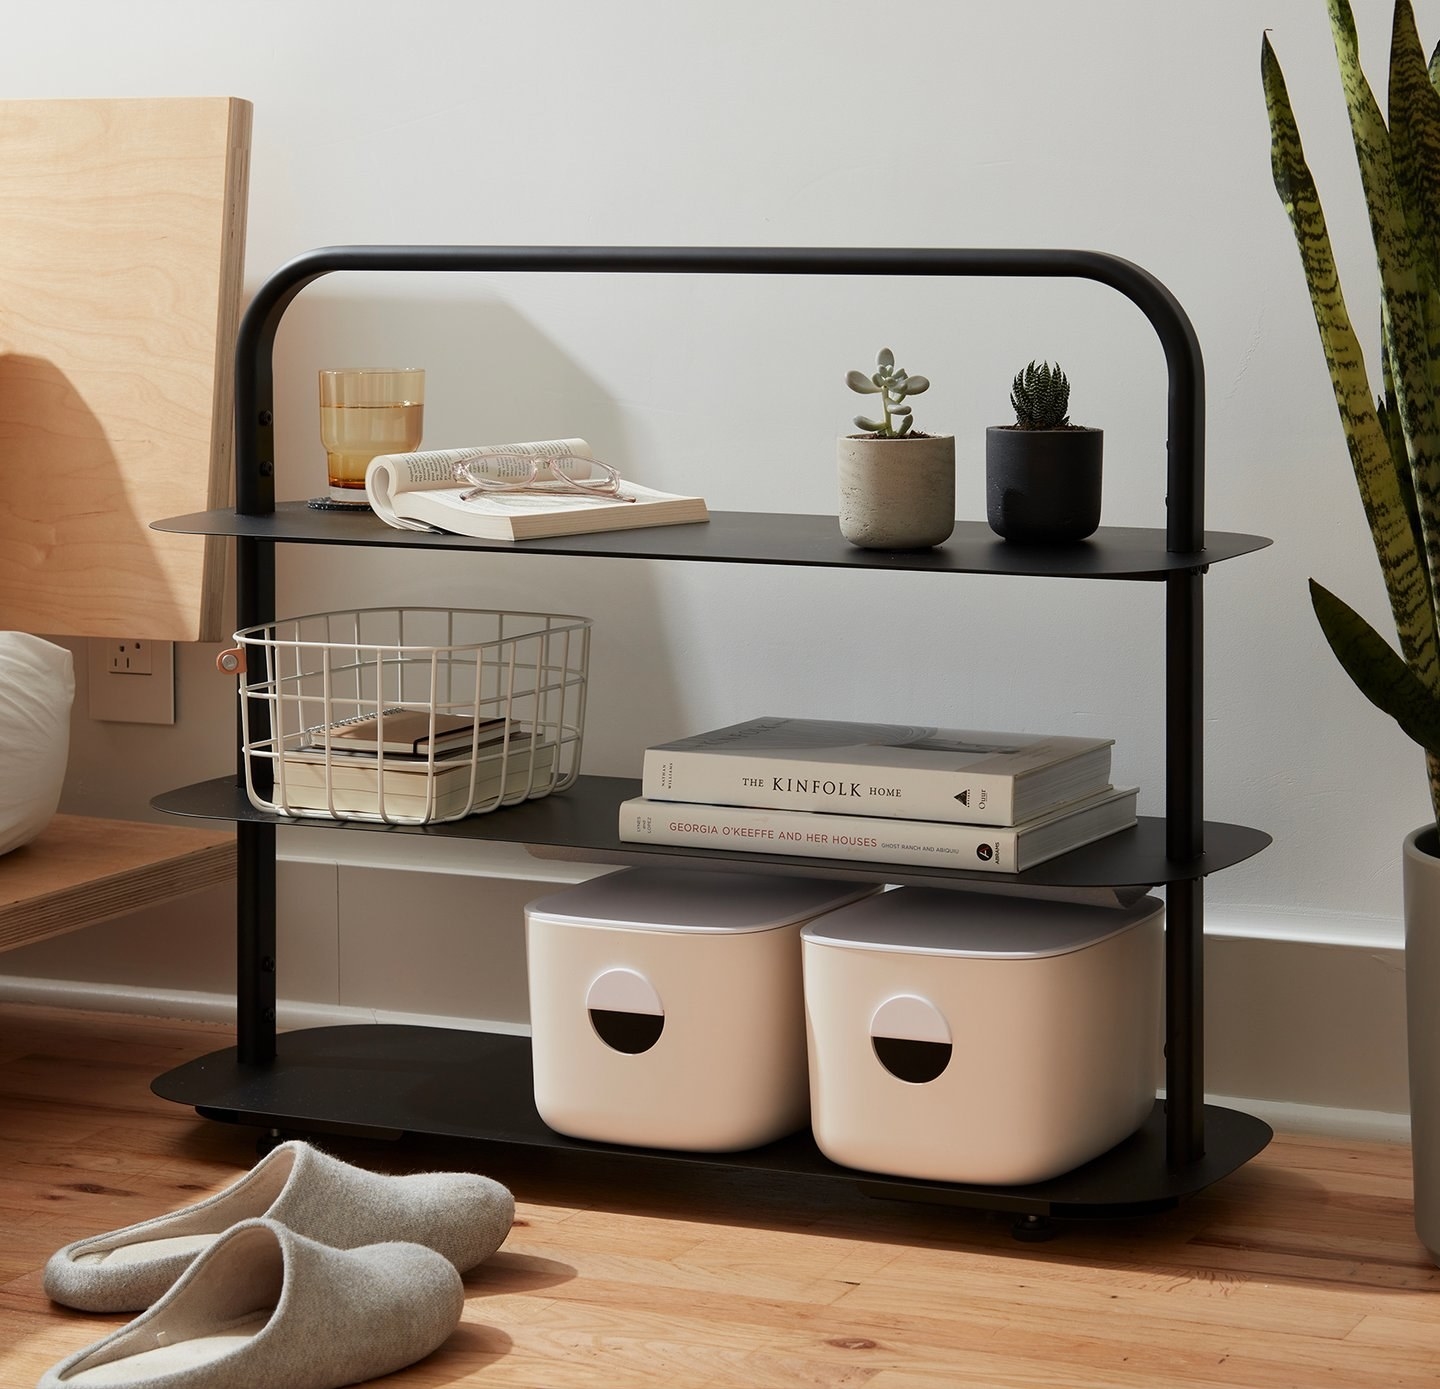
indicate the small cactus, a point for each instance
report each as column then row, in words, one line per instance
column 893, row 384
column 1041, row 397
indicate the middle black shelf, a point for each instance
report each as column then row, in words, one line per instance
column 582, row 823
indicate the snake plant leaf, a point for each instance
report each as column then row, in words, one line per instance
column 1403, row 284
column 1375, row 471
column 917, row 385
column 1414, row 119
column 1388, row 414
column 1378, row 671
column 858, row 381
column 1414, row 111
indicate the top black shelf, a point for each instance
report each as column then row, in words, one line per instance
column 750, row 537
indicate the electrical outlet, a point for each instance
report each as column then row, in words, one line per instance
column 132, row 680
column 129, row 657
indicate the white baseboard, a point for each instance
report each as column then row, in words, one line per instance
column 117, row 998
column 1361, row 1125
column 192, row 1006
column 1358, row 1124
column 1351, row 932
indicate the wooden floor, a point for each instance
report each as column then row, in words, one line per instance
column 1301, row 1270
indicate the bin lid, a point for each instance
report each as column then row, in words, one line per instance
column 688, row 899
column 933, row 921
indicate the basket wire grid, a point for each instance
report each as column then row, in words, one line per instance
column 305, row 675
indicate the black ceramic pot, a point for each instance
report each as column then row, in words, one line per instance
column 1042, row 486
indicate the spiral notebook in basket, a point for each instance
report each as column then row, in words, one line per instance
column 406, row 732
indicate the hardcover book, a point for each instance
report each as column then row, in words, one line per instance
column 900, row 771
column 874, row 838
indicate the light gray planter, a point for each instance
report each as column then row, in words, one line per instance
column 897, row 494
column 1422, row 1021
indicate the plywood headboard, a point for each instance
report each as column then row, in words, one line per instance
column 122, row 236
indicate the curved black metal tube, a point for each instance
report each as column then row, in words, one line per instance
column 254, row 386
column 1184, row 527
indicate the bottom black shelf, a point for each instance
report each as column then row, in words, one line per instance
column 447, row 1083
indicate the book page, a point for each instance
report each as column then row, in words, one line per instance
column 432, row 469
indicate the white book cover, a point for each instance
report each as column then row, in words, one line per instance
column 900, row 771
column 873, row 838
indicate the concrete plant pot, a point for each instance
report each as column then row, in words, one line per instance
column 897, row 494
column 1421, row 871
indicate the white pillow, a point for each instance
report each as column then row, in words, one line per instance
column 37, row 688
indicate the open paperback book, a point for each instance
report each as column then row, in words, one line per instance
column 418, row 491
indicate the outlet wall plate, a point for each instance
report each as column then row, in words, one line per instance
column 132, row 680
column 129, row 656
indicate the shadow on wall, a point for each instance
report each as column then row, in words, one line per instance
column 492, row 376
column 75, row 559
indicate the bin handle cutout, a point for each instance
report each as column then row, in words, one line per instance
column 625, row 1011
column 911, row 1039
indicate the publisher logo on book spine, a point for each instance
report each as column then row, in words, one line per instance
column 984, row 852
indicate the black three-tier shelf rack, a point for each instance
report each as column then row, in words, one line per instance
column 460, row 1084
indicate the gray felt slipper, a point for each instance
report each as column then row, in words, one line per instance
column 461, row 1215
column 265, row 1308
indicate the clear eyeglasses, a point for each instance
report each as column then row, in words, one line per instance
column 491, row 473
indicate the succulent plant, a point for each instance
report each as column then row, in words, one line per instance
column 1040, row 396
column 893, row 384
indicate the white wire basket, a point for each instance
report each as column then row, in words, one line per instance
column 457, row 712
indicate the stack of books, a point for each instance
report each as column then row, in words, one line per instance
column 936, row 797
column 383, row 765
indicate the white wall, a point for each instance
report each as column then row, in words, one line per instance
column 1135, row 129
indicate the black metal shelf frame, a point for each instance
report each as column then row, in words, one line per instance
column 755, row 537
column 1184, row 536
column 583, row 824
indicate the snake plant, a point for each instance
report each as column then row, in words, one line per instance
column 1393, row 436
